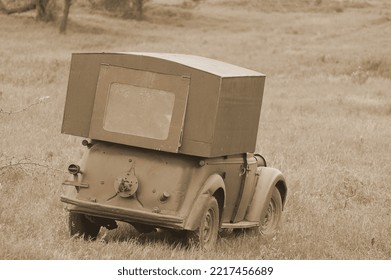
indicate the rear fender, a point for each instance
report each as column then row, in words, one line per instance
column 268, row 179
column 213, row 186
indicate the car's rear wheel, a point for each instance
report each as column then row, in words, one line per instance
column 142, row 228
column 270, row 223
column 206, row 235
column 80, row 225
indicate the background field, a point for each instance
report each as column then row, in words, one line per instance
column 325, row 123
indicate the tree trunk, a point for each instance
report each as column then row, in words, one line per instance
column 41, row 10
column 2, row 7
column 138, row 9
column 64, row 22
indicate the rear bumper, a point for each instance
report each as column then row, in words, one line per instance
column 123, row 214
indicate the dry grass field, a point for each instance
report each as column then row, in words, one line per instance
column 326, row 123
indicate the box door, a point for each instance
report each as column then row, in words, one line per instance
column 139, row 108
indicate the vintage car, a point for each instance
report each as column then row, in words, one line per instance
column 169, row 143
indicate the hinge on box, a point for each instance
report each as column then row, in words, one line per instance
column 180, row 138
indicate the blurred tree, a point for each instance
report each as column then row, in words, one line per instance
column 46, row 9
column 16, row 9
column 64, row 21
column 138, row 9
column 132, row 9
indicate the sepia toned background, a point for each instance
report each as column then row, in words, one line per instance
column 325, row 122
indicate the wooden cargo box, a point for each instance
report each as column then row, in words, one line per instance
column 170, row 102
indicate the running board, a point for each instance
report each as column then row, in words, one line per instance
column 242, row 224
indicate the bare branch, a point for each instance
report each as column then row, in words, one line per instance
column 25, row 162
column 39, row 101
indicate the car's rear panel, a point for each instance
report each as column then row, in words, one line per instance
column 140, row 185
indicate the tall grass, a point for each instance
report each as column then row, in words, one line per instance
column 325, row 123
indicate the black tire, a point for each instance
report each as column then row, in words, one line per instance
column 142, row 228
column 272, row 220
column 81, row 226
column 206, row 235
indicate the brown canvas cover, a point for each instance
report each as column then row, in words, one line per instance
column 170, row 102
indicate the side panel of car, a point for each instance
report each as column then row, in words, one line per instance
column 247, row 188
column 232, row 169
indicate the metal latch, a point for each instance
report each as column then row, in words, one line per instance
column 75, row 184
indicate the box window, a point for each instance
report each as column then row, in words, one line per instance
column 138, row 111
